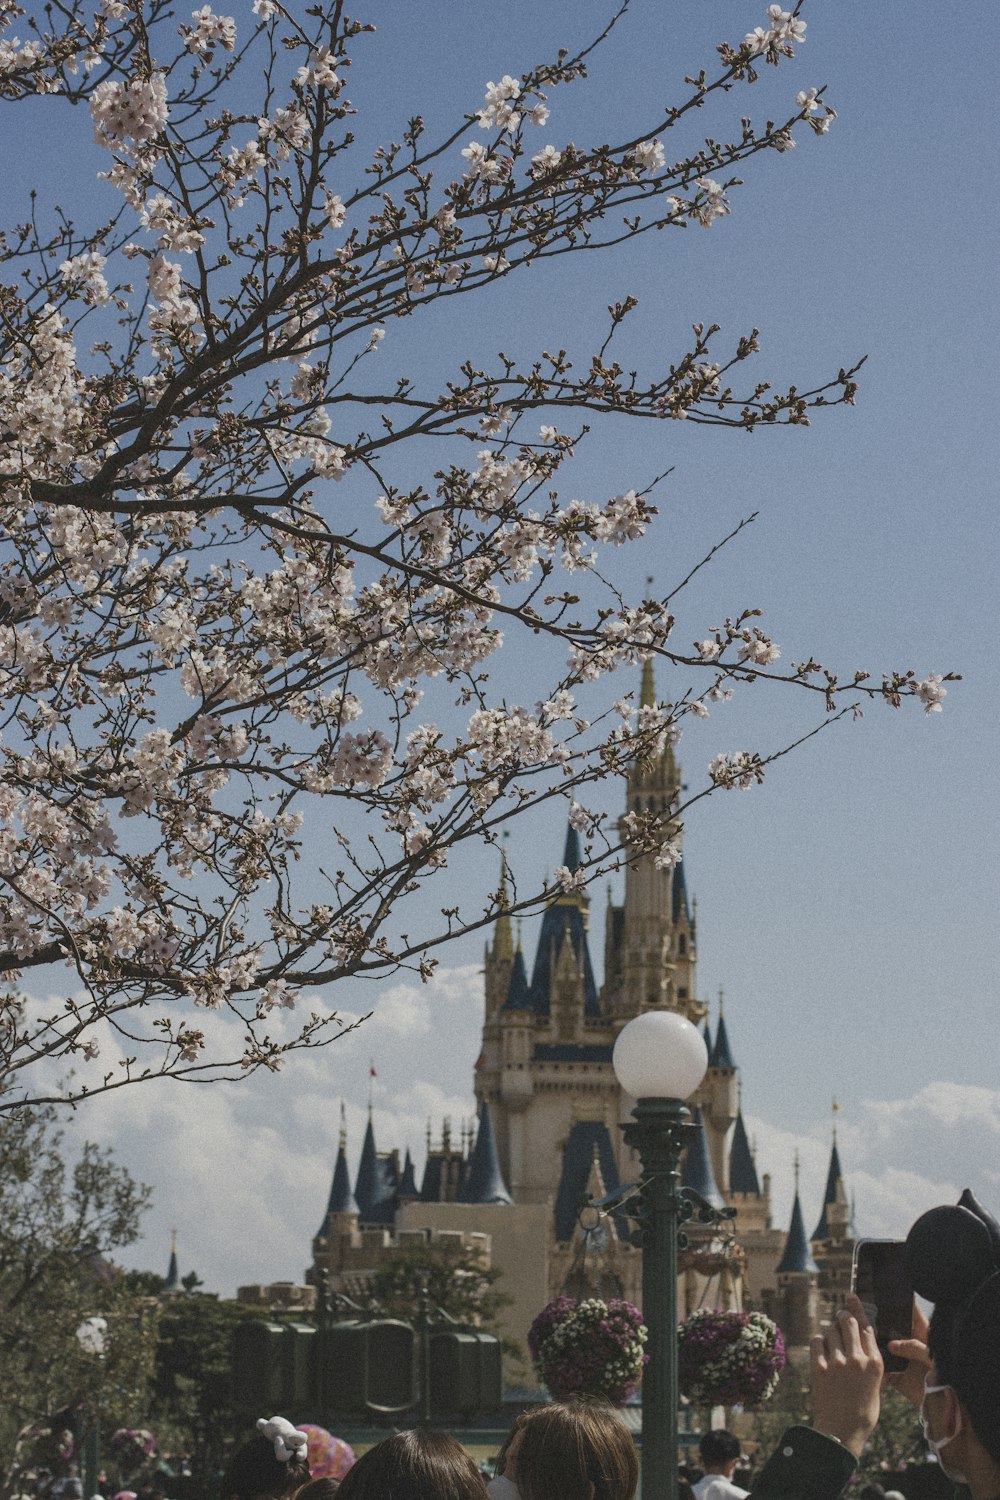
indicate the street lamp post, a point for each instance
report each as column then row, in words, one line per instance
column 660, row 1059
column 92, row 1337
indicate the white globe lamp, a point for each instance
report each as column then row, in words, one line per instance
column 660, row 1055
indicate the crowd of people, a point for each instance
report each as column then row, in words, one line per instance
column 582, row 1450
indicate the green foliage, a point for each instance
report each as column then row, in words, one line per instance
column 191, row 1410
column 59, row 1221
column 788, row 1405
column 898, row 1439
column 457, row 1283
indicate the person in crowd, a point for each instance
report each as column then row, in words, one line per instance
column 952, row 1374
column 720, row 1453
column 419, row 1465
column 568, row 1450
column 271, row 1466
column 324, row 1488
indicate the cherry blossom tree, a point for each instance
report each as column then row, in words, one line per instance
column 220, row 608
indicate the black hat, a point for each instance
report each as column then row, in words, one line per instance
column 950, row 1251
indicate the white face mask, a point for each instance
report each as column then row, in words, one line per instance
column 502, row 1488
column 936, row 1444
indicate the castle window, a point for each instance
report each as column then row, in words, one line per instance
column 682, row 993
column 682, row 944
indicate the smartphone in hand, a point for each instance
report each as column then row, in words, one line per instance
column 879, row 1277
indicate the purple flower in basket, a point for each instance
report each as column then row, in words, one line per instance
column 132, row 1446
column 729, row 1358
column 589, row 1347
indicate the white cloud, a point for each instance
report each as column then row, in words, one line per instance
column 243, row 1170
column 899, row 1157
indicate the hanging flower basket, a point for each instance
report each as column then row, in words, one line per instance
column 729, row 1358
column 132, row 1447
column 587, row 1347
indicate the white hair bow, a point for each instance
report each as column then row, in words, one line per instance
column 288, row 1441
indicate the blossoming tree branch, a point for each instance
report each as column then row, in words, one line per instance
column 219, row 609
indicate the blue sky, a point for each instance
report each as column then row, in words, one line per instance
column 848, row 906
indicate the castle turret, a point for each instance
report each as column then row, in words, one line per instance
column 833, row 1237
column 483, row 1179
column 407, row 1189
column 173, row 1279
column 797, row 1301
column 566, row 921
column 697, row 1172
column 374, row 1188
column 742, row 1167
column 683, row 944
column 835, row 1212
column 341, row 1199
column 499, row 956
column 645, row 961
column 719, row 1093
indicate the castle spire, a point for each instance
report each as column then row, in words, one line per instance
column 571, row 852
column 566, row 919
column 408, row 1182
column 173, row 1274
column 721, row 1055
column 503, row 937
column 341, row 1200
column 373, row 1192
column 647, row 688
column 834, row 1191
column 698, row 1172
column 518, row 993
column 484, row 1180
column 797, row 1257
column 742, row 1167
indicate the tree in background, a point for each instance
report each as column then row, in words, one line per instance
column 75, row 1342
column 191, row 1408
column 454, row 1280
column 252, row 571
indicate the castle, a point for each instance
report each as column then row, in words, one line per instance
column 549, row 1110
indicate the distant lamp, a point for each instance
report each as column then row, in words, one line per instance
column 660, row 1059
column 92, row 1335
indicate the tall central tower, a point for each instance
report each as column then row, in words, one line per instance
column 545, row 1068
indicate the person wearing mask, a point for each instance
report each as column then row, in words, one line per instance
column 952, row 1375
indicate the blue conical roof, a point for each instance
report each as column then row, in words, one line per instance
column 518, row 993
column 483, row 1179
column 698, row 1172
column 374, row 1189
column 559, row 923
column 721, row 1055
column 833, row 1177
column 341, row 1200
column 742, row 1168
column 408, row 1182
column 578, row 1158
column 571, row 853
column 797, row 1256
column 173, row 1280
